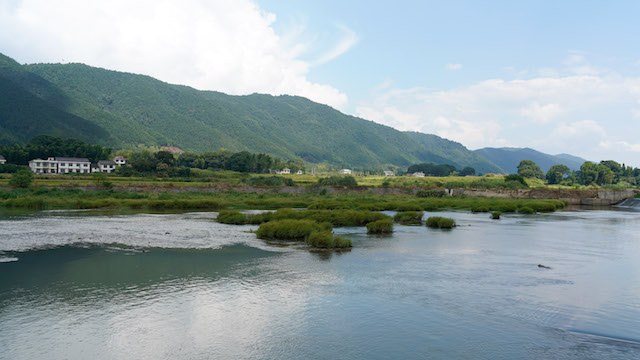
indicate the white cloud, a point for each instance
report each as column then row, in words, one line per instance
column 572, row 114
column 453, row 66
column 224, row 45
column 348, row 40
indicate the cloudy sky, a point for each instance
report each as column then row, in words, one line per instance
column 557, row 76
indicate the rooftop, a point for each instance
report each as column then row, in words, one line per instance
column 70, row 159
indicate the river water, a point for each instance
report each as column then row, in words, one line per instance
column 95, row 285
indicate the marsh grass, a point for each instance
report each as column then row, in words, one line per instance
column 439, row 222
column 232, row 217
column 496, row 215
column 409, row 217
column 380, row 227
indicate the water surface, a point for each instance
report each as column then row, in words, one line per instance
column 77, row 285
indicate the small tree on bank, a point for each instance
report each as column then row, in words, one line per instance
column 22, row 179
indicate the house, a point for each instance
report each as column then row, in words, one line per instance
column 299, row 172
column 2, row 160
column 73, row 165
column 40, row 166
column 66, row 165
column 346, row 171
column 120, row 160
column 285, row 171
column 389, row 173
column 106, row 166
column 418, row 174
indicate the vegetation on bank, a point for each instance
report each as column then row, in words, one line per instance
column 56, row 198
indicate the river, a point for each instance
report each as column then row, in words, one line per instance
column 108, row 285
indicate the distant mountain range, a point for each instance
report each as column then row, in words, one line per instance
column 122, row 110
column 509, row 158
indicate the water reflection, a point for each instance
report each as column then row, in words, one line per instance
column 474, row 292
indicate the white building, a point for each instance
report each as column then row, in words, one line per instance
column 2, row 160
column 389, row 173
column 418, row 174
column 285, row 171
column 299, row 172
column 346, row 171
column 66, row 165
column 73, row 165
column 120, row 160
column 40, row 166
column 106, row 166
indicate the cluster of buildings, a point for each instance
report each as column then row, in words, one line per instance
column 66, row 165
column 285, row 171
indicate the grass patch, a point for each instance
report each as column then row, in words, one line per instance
column 496, row 215
column 290, row 229
column 232, row 217
column 439, row 222
column 380, row 227
column 409, row 217
column 526, row 210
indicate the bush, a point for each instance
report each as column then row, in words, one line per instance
column 380, row 227
column 496, row 215
column 526, row 210
column 431, row 193
column 321, row 239
column 335, row 217
column 21, row 179
column 479, row 208
column 440, row 222
column 346, row 181
column 342, row 242
column 409, row 217
column 232, row 217
column 290, row 229
column 516, row 177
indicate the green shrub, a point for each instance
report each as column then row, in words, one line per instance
column 321, row 239
column 342, row 242
column 526, row 210
column 21, row 179
column 479, row 208
column 440, row 222
column 517, row 178
column 407, row 207
column 496, row 215
column 290, row 229
column 409, row 217
column 232, row 217
column 380, row 227
column 431, row 193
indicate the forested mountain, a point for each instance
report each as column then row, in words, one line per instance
column 120, row 109
column 509, row 158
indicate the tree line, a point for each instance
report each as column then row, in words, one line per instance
column 606, row 172
column 441, row 170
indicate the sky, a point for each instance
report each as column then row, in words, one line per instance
column 556, row 76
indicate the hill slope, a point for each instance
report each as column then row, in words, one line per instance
column 509, row 158
column 126, row 109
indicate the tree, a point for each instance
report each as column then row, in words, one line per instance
column 468, row 171
column 143, row 161
column 556, row 173
column 529, row 169
column 165, row 157
column 22, row 179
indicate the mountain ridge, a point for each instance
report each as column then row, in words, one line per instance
column 508, row 158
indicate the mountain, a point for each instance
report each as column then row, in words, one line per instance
column 509, row 158
column 120, row 109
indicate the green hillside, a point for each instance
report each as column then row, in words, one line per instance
column 120, row 109
column 509, row 158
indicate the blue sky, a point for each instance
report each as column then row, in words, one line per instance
column 557, row 76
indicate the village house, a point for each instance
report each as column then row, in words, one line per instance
column 389, row 173
column 417, row 174
column 299, row 172
column 285, row 171
column 2, row 160
column 346, row 171
column 120, row 160
column 66, row 165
